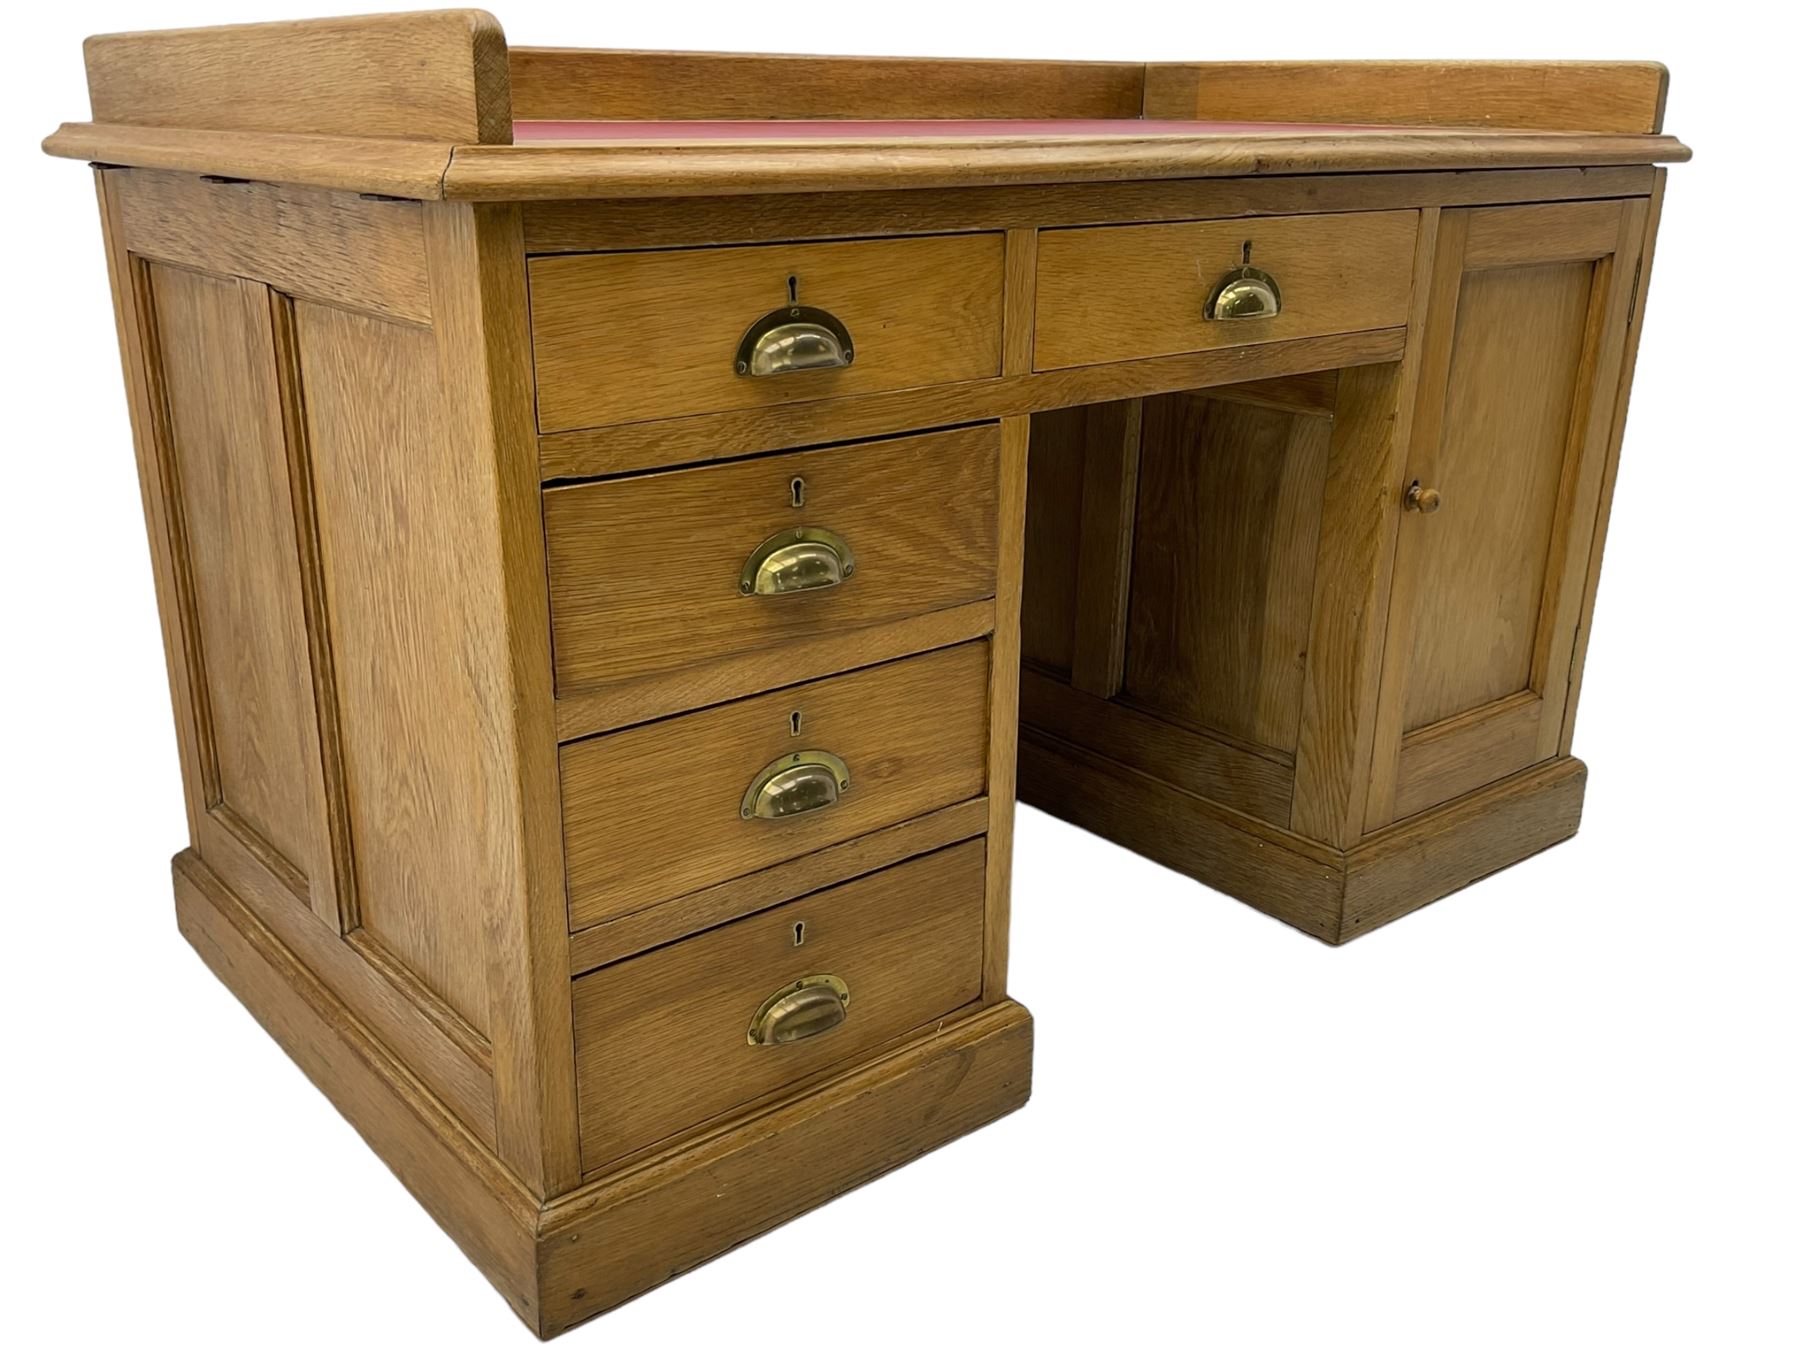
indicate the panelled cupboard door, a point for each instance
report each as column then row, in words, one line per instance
column 1519, row 370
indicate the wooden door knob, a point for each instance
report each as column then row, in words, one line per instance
column 1424, row 500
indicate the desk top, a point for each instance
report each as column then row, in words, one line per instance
column 865, row 131
column 712, row 158
column 436, row 105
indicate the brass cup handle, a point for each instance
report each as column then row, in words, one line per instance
column 808, row 1007
column 807, row 780
column 1244, row 293
column 1424, row 500
column 792, row 339
column 804, row 559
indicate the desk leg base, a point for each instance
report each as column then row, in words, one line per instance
column 1333, row 894
column 572, row 1258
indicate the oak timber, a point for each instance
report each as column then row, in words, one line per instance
column 1119, row 293
column 435, row 76
column 545, row 171
column 569, row 84
column 919, row 512
column 604, row 1242
column 1331, row 894
column 579, row 227
column 447, row 502
column 691, row 440
column 617, row 1237
column 630, row 934
column 906, row 941
column 913, row 734
column 1611, row 96
column 324, row 246
column 920, row 311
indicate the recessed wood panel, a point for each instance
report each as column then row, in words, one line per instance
column 1229, row 495
column 652, row 812
column 1081, row 509
column 222, row 417
column 1518, row 350
column 1053, row 537
column 644, row 572
column 417, row 728
column 624, row 337
column 906, row 942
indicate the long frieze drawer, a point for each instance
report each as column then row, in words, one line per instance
column 659, row 810
column 675, row 1037
column 627, row 337
column 1124, row 292
column 666, row 570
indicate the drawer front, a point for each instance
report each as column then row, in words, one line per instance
column 662, row 1041
column 1123, row 292
column 626, row 337
column 646, row 573
column 657, row 811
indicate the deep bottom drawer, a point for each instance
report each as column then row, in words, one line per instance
column 663, row 1041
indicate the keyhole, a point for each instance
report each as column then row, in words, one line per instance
column 797, row 491
column 800, row 933
column 1246, row 253
column 793, row 290
column 794, row 722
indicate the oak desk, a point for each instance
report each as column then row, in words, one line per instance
column 621, row 519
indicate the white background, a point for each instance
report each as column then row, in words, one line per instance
column 1554, row 1110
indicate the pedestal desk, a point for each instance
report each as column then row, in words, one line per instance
column 621, row 520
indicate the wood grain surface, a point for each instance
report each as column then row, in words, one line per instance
column 434, row 76
column 644, row 572
column 563, row 84
column 653, row 812
column 907, row 942
column 623, row 337
column 1126, row 292
column 1615, row 96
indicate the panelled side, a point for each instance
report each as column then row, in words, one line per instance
column 323, row 512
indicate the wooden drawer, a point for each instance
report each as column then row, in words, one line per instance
column 626, row 337
column 645, row 572
column 1122, row 292
column 655, row 811
column 662, row 1040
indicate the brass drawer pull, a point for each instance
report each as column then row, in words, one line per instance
column 1245, row 292
column 807, row 780
column 792, row 339
column 805, row 1008
column 804, row 559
